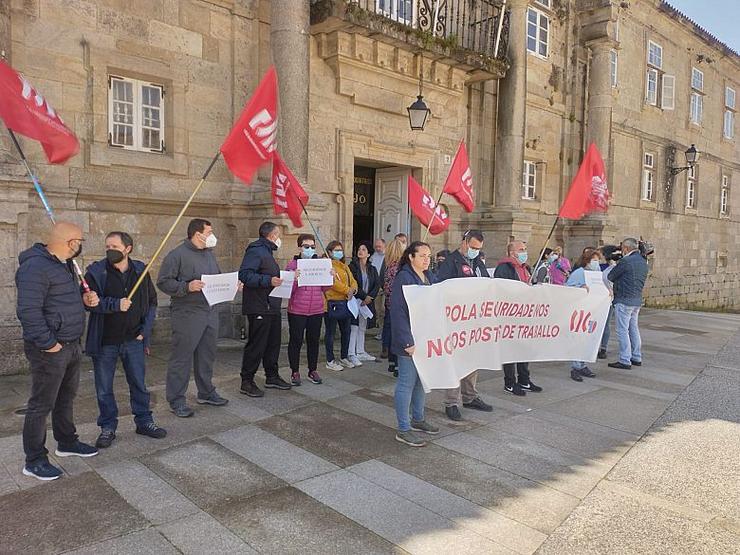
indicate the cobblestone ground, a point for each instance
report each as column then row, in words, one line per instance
column 641, row 461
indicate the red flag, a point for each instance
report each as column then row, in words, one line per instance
column 286, row 191
column 253, row 139
column 426, row 210
column 459, row 182
column 26, row 112
column 589, row 191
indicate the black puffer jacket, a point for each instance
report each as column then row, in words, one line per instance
column 256, row 273
column 49, row 301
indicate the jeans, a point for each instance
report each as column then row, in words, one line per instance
column 578, row 365
column 607, row 332
column 331, row 329
column 628, row 333
column 409, row 393
column 54, row 381
column 131, row 354
column 263, row 345
column 298, row 325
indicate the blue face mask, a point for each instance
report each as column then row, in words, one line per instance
column 337, row 255
column 308, row 252
column 594, row 265
column 473, row 253
column 521, row 257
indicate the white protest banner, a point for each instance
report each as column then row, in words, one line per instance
column 220, row 288
column 284, row 290
column 314, row 271
column 465, row 324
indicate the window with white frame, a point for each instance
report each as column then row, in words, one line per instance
column 729, row 117
column 538, row 32
column 135, row 114
column 529, row 180
column 651, row 88
column 668, row 92
column 655, row 55
column 724, row 196
column 648, row 176
column 696, row 107
column 691, row 187
column 397, row 10
column 544, row 3
column 613, row 61
column 654, row 75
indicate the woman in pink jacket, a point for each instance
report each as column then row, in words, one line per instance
column 559, row 267
column 306, row 308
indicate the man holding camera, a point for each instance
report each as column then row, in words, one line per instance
column 628, row 277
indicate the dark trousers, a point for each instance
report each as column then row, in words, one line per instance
column 263, row 345
column 131, row 354
column 298, row 326
column 54, row 381
column 331, row 329
column 520, row 368
column 386, row 333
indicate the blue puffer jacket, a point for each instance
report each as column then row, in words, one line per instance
column 629, row 277
column 256, row 272
column 49, row 301
column 97, row 277
column 401, row 336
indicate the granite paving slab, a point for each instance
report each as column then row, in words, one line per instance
column 145, row 542
column 201, row 533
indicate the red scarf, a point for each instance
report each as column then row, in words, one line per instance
column 521, row 270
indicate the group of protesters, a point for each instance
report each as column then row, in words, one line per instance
column 52, row 307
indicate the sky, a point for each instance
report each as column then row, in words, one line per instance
column 719, row 17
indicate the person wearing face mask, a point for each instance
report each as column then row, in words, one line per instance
column 589, row 262
column 194, row 323
column 514, row 267
column 306, row 308
column 120, row 329
column 260, row 274
column 337, row 312
column 464, row 262
column 540, row 272
column 52, row 314
column 558, row 267
column 368, row 283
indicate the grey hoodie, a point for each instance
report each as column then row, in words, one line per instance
column 182, row 265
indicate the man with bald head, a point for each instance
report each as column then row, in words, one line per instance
column 514, row 267
column 52, row 314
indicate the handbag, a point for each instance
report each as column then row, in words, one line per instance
column 338, row 310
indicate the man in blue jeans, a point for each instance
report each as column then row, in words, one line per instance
column 121, row 328
column 628, row 277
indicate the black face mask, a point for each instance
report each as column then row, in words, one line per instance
column 114, row 256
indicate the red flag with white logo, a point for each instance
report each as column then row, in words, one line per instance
column 25, row 111
column 459, row 182
column 426, row 210
column 287, row 193
column 589, row 191
column 253, row 139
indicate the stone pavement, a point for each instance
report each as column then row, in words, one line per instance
column 644, row 461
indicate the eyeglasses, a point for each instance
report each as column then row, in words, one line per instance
column 307, row 246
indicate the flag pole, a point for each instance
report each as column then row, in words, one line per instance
column 549, row 236
column 45, row 202
column 434, row 213
column 313, row 228
column 173, row 226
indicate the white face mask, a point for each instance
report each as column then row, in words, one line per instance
column 278, row 242
column 211, row 241
column 594, row 265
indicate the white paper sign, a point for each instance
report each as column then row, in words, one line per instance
column 365, row 312
column 354, row 306
column 465, row 324
column 220, row 288
column 286, row 288
column 314, row 271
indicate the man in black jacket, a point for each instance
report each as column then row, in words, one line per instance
column 514, row 267
column 52, row 314
column 464, row 262
column 260, row 273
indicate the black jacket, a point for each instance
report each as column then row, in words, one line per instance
column 456, row 265
column 373, row 280
column 401, row 336
column 256, row 273
column 49, row 301
column 506, row 270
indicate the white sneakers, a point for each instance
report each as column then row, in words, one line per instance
column 347, row 363
column 334, row 365
column 366, row 357
column 355, row 360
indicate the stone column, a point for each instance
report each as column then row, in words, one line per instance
column 5, row 29
column 289, row 40
column 600, row 96
column 512, row 111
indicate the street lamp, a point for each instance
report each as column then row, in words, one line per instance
column 419, row 111
column 692, row 156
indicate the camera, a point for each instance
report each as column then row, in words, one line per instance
column 646, row 248
column 611, row 253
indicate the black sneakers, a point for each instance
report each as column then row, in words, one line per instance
column 586, row 372
column 602, row 353
column 151, row 430
column 277, row 383
column 575, row 375
column 42, row 471
column 620, row 365
column 478, row 404
column 453, row 413
column 515, row 389
column 182, row 411
column 105, row 439
column 636, row 362
column 250, row 389
column 530, row 387
column 77, row 449
column 213, row 399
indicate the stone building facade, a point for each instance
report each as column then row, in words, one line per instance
column 152, row 87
